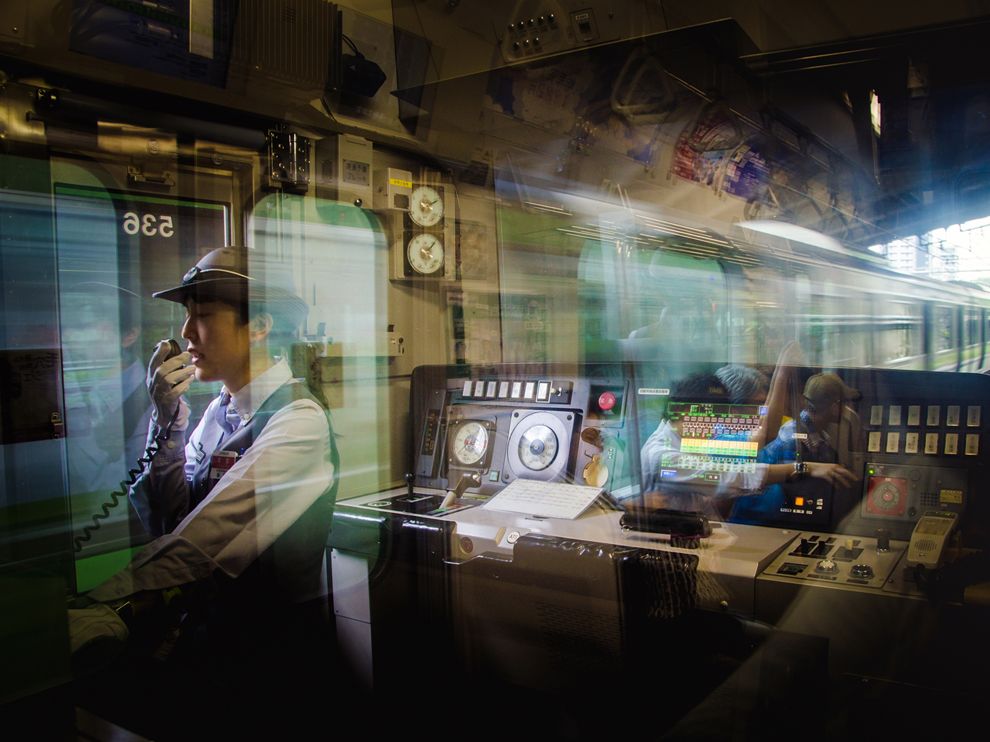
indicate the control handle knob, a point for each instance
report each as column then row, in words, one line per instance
column 827, row 566
column 864, row 571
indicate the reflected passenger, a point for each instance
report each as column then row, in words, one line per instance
column 667, row 478
column 807, row 446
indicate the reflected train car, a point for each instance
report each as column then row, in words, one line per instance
column 650, row 283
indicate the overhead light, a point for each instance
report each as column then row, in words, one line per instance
column 875, row 112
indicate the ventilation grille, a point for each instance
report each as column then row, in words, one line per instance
column 288, row 41
column 925, row 545
column 578, row 640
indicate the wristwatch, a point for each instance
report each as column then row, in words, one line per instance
column 800, row 470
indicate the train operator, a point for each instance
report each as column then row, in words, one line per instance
column 241, row 510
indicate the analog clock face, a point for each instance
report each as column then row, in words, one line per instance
column 470, row 443
column 425, row 254
column 426, row 206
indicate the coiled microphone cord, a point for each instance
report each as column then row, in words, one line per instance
column 125, row 484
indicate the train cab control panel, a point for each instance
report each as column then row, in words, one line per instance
column 498, row 424
column 922, row 448
column 474, row 431
column 909, row 545
column 867, row 563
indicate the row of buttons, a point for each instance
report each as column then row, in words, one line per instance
column 703, row 463
column 932, row 415
column 540, row 22
column 911, row 441
column 538, row 390
column 750, row 422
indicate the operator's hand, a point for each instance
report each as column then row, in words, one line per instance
column 167, row 381
column 835, row 474
column 97, row 636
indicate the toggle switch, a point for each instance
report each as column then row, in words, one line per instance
column 883, row 539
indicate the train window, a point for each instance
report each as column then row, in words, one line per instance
column 842, row 315
column 538, row 294
column 681, row 307
column 972, row 326
column 899, row 333
column 619, row 285
column 337, row 251
column 761, row 318
column 943, row 328
column 115, row 243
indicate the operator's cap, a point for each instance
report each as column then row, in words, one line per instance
column 236, row 275
column 828, row 387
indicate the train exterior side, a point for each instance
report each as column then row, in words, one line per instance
column 617, row 211
column 737, row 294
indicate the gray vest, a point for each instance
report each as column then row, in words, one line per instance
column 291, row 569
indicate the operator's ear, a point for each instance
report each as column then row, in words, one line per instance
column 260, row 326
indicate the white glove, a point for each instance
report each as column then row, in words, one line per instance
column 97, row 636
column 168, row 379
column 99, row 621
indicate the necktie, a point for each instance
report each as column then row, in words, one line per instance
column 226, row 416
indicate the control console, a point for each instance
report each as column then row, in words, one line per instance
column 839, row 560
column 519, row 421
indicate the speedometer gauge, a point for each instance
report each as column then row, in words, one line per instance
column 538, row 447
column 470, row 443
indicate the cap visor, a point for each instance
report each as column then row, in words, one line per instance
column 234, row 290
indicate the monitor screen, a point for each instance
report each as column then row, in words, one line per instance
column 717, row 442
column 704, row 446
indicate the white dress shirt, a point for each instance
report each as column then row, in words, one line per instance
column 270, row 486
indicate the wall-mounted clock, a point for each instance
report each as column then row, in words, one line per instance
column 426, row 206
column 424, row 235
column 425, row 254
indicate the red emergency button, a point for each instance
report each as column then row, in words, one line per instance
column 606, row 401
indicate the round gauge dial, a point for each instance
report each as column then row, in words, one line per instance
column 425, row 206
column 538, row 447
column 425, row 254
column 886, row 496
column 470, row 443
